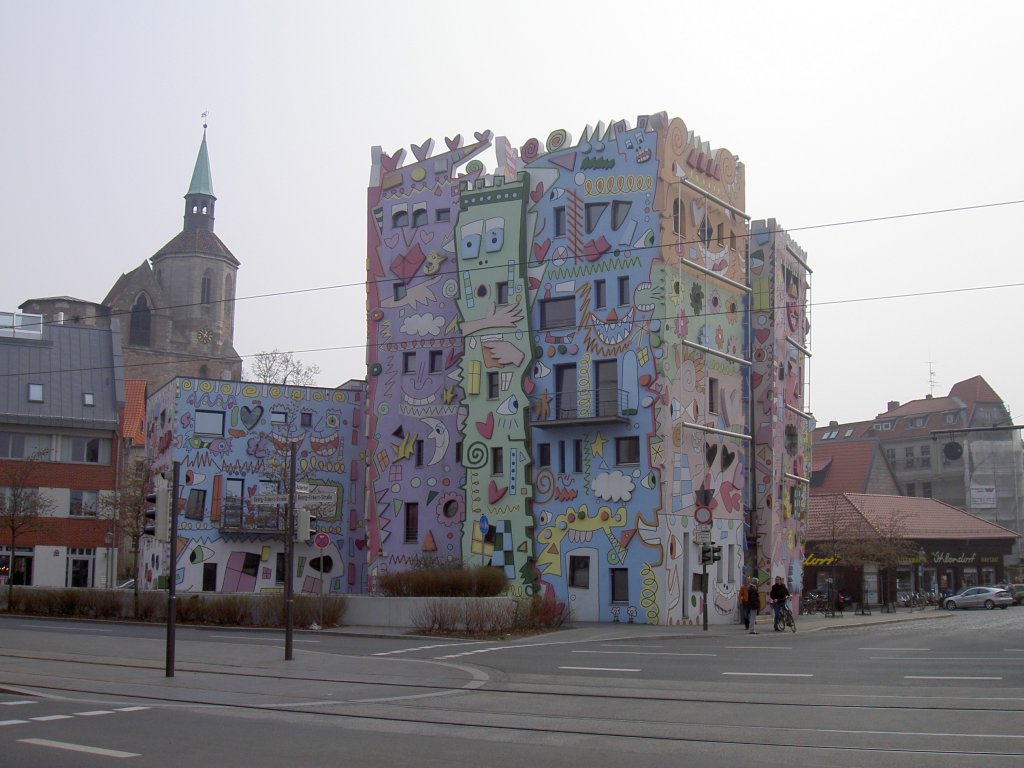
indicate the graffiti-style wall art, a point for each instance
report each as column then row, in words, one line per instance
column 779, row 275
column 233, row 442
column 559, row 374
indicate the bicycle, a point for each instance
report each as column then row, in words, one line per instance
column 786, row 617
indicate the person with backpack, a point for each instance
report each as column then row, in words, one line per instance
column 750, row 604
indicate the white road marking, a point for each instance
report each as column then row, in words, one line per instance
column 624, row 645
column 262, row 639
column 649, row 653
column 16, row 703
column 79, row 748
column 94, row 712
column 12, row 722
column 769, row 674
column 601, row 669
column 59, row 627
column 48, row 718
column 894, row 649
column 939, row 658
column 946, row 677
column 760, row 647
column 424, row 648
column 130, row 709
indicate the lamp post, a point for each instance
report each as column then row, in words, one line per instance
column 921, row 555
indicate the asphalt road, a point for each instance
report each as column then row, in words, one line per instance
column 944, row 691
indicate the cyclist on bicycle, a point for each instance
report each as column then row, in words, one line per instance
column 779, row 595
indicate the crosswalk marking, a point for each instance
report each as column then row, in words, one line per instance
column 80, row 748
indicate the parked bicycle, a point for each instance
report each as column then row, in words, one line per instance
column 786, row 618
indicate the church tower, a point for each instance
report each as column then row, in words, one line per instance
column 178, row 307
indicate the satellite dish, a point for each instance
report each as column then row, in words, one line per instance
column 952, row 450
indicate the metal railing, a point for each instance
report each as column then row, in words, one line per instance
column 601, row 404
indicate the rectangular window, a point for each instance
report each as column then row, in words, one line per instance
column 88, row 399
column 436, row 360
column 712, row 394
column 592, row 213
column 561, row 456
column 579, row 571
column 88, row 450
column 492, row 385
column 209, row 577
column 627, row 450
column 624, row 297
column 305, row 419
column 210, row 423
column 497, row 461
column 544, row 454
column 195, row 507
column 412, row 522
column 558, row 313
column 458, row 452
column 501, row 293
column 232, row 506
column 911, row 489
column 620, row 584
column 419, row 453
column 600, row 294
column 35, row 393
column 398, row 291
column 926, row 490
column 577, row 455
column 83, row 503
column 560, row 221
column 443, row 214
column 408, row 362
column 279, row 568
column 278, row 417
column 15, row 445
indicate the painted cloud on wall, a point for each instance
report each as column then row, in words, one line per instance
column 613, row 486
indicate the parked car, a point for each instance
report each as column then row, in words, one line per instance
column 979, row 597
column 1017, row 592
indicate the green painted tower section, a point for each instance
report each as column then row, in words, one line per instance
column 202, row 179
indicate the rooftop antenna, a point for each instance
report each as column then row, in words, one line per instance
column 931, row 379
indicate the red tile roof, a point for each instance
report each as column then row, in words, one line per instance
column 845, row 466
column 919, row 518
column 134, row 413
column 61, row 532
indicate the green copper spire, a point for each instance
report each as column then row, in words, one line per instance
column 202, row 179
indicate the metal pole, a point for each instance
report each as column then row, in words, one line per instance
column 321, row 587
column 172, row 597
column 704, row 589
column 289, row 571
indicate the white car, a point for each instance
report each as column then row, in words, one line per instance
column 979, row 597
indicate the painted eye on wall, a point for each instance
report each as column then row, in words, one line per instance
column 646, row 240
column 650, row 480
column 540, row 370
column 471, row 247
column 495, row 236
column 333, row 420
column 544, row 517
column 510, row 406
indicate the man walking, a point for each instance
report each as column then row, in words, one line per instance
column 779, row 595
column 751, row 606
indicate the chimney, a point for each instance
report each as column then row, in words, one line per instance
column 833, row 423
column 928, row 396
column 893, row 405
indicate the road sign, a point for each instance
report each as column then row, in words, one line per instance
column 312, row 499
column 322, row 540
column 270, row 499
column 702, row 533
column 303, row 488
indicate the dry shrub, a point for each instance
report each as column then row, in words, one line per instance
column 445, row 580
column 437, row 616
column 227, row 609
column 541, row 612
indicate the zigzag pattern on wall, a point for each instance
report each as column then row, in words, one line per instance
column 605, row 265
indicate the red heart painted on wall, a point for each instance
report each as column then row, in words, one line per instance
column 486, row 428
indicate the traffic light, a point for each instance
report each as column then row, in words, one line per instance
column 716, row 553
column 706, row 551
column 159, row 513
column 305, row 524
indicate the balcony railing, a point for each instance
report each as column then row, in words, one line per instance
column 593, row 406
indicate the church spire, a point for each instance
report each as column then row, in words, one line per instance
column 199, row 200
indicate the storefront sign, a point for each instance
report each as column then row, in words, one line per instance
column 983, row 496
column 948, row 558
column 813, row 559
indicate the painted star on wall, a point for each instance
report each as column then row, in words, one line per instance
column 597, row 445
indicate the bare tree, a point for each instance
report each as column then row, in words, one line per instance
column 889, row 547
column 282, row 368
column 21, row 504
column 126, row 509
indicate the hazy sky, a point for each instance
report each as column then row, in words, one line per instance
column 839, row 112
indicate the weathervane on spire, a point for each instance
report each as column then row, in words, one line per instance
column 204, row 116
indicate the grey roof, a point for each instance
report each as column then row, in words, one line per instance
column 69, row 361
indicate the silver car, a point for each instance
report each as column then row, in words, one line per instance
column 979, row 597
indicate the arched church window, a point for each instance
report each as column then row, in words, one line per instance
column 139, row 333
column 206, row 288
column 195, row 209
column 204, row 210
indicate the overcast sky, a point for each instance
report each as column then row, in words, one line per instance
column 839, row 112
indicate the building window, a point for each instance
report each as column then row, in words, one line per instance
column 908, row 457
column 620, row 584
column 911, row 489
column 627, row 450
column 577, row 456
column 579, row 571
column 88, row 399
column 210, row 423
column 205, row 289
column 925, row 461
column 35, row 393
column 418, row 449
column 83, row 503
column 419, row 217
column 279, row 568
column 195, row 507
column 16, row 445
column 492, row 385
column 87, row 450
column 562, row 467
column 497, row 461
column 139, row 325
column 436, row 360
column 677, row 218
column 600, row 294
column 232, row 506
column 593, row 213
column 558, row 313
column 398, row 291
column 443, row 214
column 278, row 417
column 720, row 236
column 712, row 394
column 560, row 221
column 305, row 419
column 624, row 297
column 458, row 452
column 399, row 216
column 501, row 293
column 412, row 522
column 704, row 232
column 544, row 454
column 408, row 362
column 926, row 490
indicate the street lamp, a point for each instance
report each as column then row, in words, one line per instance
column 921, row 555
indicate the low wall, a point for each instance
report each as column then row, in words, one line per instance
column 378, row 611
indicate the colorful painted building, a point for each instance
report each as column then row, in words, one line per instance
column 560, row 364
column 233, row 441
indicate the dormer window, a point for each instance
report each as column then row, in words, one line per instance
column 35, row 393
